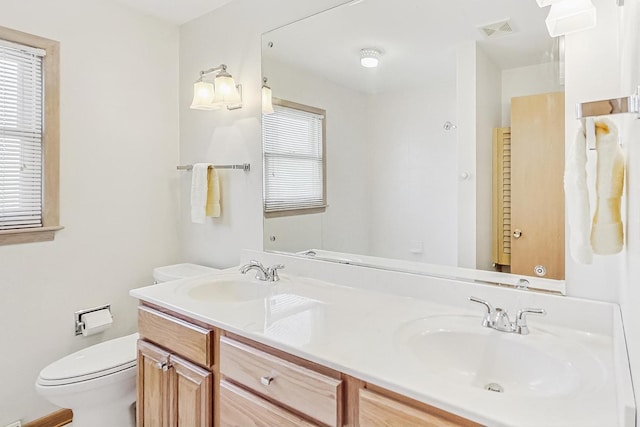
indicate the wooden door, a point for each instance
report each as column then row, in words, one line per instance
column 537, row 197
column 153, row 377
column 191, row 394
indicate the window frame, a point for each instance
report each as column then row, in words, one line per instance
column 315, row 209
column 50, row 141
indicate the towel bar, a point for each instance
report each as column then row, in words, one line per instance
column 245, row 167
column 628, row 104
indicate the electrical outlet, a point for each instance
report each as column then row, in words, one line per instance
column 15, row 424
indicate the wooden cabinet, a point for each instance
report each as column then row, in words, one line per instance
column 194, row 375
column 172, row 391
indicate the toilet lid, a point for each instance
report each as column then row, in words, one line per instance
column 92, row 362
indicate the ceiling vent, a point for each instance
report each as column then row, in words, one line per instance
column 497, row 29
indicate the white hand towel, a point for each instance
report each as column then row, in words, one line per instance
column 199, row 188
column 577, row 198
column 607, row 236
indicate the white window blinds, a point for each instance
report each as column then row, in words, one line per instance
column 293, row 159
column 21, row 122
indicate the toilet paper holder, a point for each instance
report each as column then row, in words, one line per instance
column 78, row 316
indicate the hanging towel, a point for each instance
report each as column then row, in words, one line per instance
column 199, row 189
column 577, row 197
column 213, row 194
column 607, row 231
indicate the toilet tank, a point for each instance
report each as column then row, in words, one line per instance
column 180, row 271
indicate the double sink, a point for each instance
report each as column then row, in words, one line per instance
column 454, row 348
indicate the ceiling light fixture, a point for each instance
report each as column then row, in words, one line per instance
column 222, row 93
column 370, row 57
column 570, row 16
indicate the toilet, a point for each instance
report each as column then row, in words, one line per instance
column 98, row 383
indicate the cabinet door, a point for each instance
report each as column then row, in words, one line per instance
column 191, row 394
column 153, row 377
column 537, row 197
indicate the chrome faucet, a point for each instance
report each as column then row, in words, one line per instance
column 499, row 319
column 266, row 274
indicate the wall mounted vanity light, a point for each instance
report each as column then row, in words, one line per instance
column 223, row 92
column 370, row 57
column 569, row 16
column 267, row 104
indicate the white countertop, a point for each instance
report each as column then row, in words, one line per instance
column 359, row 332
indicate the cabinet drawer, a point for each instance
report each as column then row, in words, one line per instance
column 308, row 392
column 375, row 410
column 189, row 341
column 241, row 408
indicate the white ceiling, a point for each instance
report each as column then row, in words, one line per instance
column 175, row 11
column 418, row 39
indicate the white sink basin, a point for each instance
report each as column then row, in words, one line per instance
column 463, row 352
column 228, row 288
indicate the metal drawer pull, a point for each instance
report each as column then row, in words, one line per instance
column 266, row 380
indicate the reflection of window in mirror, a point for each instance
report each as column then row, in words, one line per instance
column 293, row 139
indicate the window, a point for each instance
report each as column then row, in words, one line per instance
column 29, row 137
column 294, row 159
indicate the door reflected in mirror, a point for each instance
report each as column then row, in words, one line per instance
column 441, row 153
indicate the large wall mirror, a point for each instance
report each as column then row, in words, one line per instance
column 449, row 152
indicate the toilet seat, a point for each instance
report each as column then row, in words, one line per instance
column 99, row 360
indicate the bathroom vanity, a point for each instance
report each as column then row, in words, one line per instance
column 230, row 349
column 190, row 373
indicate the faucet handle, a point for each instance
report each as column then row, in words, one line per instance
column 487, row 318
column 272, row 272
column 521, row 319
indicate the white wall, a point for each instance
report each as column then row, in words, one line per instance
column 591, row 77
column 466, row 132
column 488, row 110
column 343, row 226
column 630, row 80
column 478, row 99
column 230, row 35
column 119, row 147
column 523, row 81
column 412, row 180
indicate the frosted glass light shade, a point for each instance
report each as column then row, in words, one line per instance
column 267, row 104
column 226, row 92
column 203, row 95
column 569, row 16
